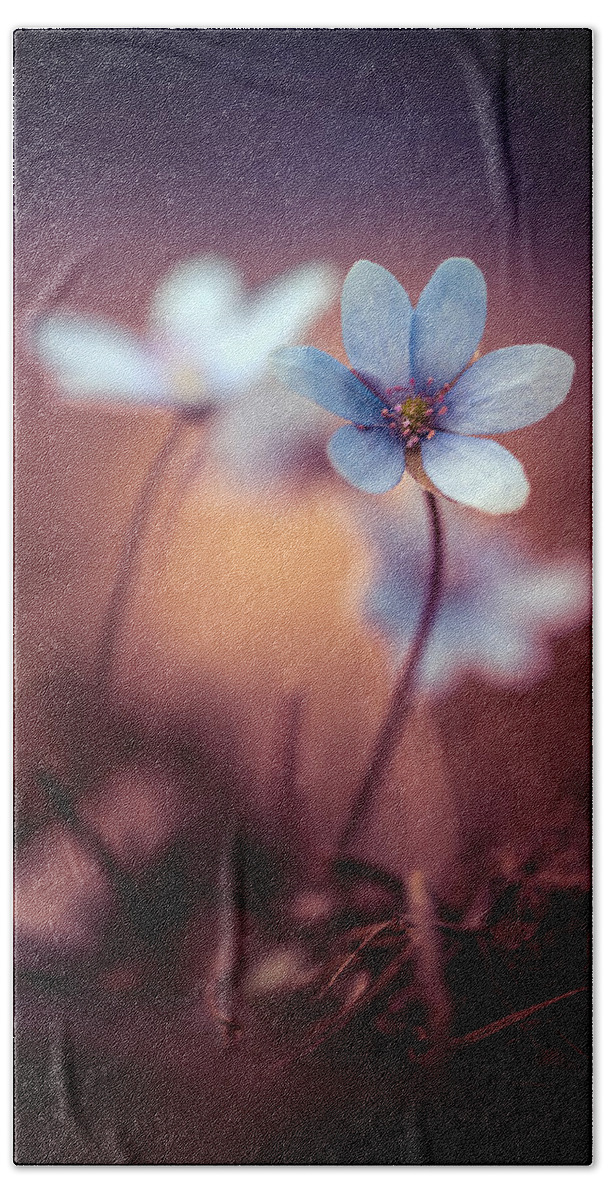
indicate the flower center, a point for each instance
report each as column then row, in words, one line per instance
column 411, row 415
column 188, row 384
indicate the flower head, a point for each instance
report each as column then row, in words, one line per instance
column 207, row 342
column 416, row 390
column 499, row 607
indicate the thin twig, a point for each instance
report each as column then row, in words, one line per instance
column 478, row 1035
column 369, row 937
column 572, row 1045
column 326, row 1028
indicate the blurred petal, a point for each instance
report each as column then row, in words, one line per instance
column 270, row 436
column 95, row 358
column 508, row 389
column 499, row 607
column 326, row 381
column 61, row 896
column 476, row 472
column 279, row 313
column 557, row 595
column 448, row 323
column 285, row 308
column 195, row 300
column 376, row 317
column 370, row 459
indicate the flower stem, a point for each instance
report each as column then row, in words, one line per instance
column 390, row 733
column 138, row 525
column 226, row 986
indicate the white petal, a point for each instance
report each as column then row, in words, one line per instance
column 195, row 300
column 279, row 314
column 369, row 459
column 448, row 323
column 475, row 471
column 95, row 358
column 376, row 317
column 508, row 389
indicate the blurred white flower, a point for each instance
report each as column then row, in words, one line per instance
column 499, row 608
column 207, row 342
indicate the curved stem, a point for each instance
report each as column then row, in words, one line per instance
column 130, row 551
column 390, row 733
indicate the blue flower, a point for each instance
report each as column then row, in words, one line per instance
column 207, row 342
column 499, row 607
column 416, row 390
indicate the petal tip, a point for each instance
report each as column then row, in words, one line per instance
column 515, row 501
column 569, row 368
column 366, row 268
column 460, row 264
column 363, row 264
